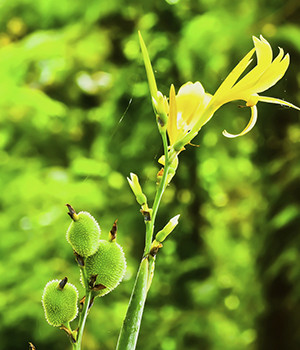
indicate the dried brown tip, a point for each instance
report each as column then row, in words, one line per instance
column 113, row 231
column 146, row 214
column 64, row 328
column 62, row 283
column 72, row 213
column 31, row 346
column 98, row 287
column 155, row 250
column 92, row 281
column 81, row 303
column 160, row 121
column 193, row 144
column 91, row 303
column 160, row 172
column 79, row 259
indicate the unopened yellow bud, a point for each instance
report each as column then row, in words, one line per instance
column 136, row 189
column 172, row 168
column 162, row 235
column 161, row 107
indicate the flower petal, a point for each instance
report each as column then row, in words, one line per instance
column 191, row 88
column 172, row 120
column 263, row 51
column 274, row 73
column 250, row 125
column 264, row 58
column 233, row 76
column 189, row 99
column 277, row 101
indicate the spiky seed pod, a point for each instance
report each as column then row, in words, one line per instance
column 106, row 268
column 60, row 302
column 83, row 234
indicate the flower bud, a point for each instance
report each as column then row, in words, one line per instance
column 172, row 168
column 83, row 234
column 106, row 268
column 60, row 302
column 162, row 109
column 162, row 235
column 136, row 189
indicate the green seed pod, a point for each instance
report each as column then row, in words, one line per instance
column 83, row 234
column 60, row 302
column 106, row 268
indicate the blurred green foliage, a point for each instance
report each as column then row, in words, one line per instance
column 76, row 118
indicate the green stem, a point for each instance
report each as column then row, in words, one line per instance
column 158, row 196
column 131, row 325
column 84, row 313
column 67, row 325
column 163, row 181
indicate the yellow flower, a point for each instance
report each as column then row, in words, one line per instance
column 185, row 109
column 263, row 76
column 192, row 107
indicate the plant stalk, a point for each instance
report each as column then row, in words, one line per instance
column 131, row 326
column 158, row 196
column 84, row 313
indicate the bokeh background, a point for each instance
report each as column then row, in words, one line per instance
column 76, row 119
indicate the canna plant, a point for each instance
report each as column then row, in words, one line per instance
column 179, row 118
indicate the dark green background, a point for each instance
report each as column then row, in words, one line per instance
column 76, row 119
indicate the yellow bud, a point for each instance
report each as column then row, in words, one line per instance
column 83, row 234
column 60, row 302
column 163, row 234
column 106, row 268
column 162, row 109
column 136, row 189
column 172, row 167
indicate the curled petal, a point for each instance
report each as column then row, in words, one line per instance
column 277, row 101
column 250, row 125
